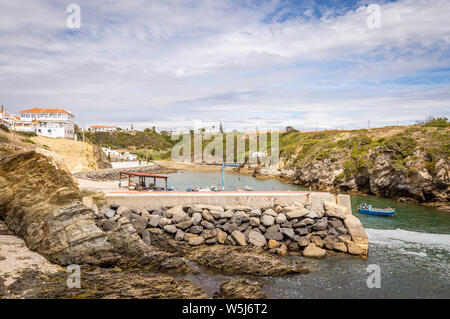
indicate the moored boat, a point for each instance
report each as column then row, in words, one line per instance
column 368, row 209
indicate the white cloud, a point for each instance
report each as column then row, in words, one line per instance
column 167, row 62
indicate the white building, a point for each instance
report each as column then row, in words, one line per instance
column 119, row 155
column 102, row 128
column 57, row 123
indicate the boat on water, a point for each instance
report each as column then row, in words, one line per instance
column 368, row 209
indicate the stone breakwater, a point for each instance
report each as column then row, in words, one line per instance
column 280, row 229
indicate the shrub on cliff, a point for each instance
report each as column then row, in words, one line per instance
column 437, row 122
column 4, row 128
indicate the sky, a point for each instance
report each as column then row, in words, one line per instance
column 247, row 64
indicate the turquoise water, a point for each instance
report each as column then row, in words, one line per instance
column 412, row 250
column 408, row 216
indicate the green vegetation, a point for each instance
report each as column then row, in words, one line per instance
column 4, row 128
column 27, row 140
column 148, row 139
column 3, row 139
column 358, row 150
column 28, row 134
column 436, row 122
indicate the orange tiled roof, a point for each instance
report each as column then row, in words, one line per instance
column 42, row 110
column 101, row 126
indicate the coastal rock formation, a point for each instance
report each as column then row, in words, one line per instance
column 112, row 174
column 240, row 289
column 404, row 163
column 41, row 203
column 103, row 283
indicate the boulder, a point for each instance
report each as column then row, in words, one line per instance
column 196, row 241
column 303, row 241
column 280, row 219
column 254, row 221
column 282, row 250
column 297, row 213
column 185, row 224
column 227, row 214
column 140, row 223
column 110, row 213
column 239, row 237
column 179, row 235
column 164, row 221
column 221, row 236
column 273, row 232
column 270, row 212
column 207, row 224
column 342, row 230
column 267, row 220
column 272, row 244
column 207, row 216
column 237, row 218
column 287, row 232
column 313, row 251
column 196, row 229
column 318, row 241
column 322, row 224
column 302, row 231
column 353, row 248
column 340, row 246
column 197, row 218
column 171, row 229
column 255, row 213
column 256, row 239
column 154, row 221
column 312, row 214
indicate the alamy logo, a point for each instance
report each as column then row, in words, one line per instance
column 374, row 279
column 74, row 19
column 235, row 147
column 74, row 279
column 374, row 18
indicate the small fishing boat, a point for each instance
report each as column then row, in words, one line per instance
column 368, row 209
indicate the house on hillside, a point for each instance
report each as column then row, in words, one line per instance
column 48, row 122
column 119, row 155
column 102, row 128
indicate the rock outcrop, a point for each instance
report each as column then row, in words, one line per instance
column 240, row 289
column 41, row 203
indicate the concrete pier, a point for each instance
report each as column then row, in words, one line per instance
column 258, row 199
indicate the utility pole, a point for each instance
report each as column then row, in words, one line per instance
column 368, row 125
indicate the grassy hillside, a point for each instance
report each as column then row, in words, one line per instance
column 358, row 146
column 148, row 143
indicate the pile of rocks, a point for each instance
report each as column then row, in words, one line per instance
column 279, row 229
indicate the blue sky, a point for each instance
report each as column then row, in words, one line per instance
column 266, row 63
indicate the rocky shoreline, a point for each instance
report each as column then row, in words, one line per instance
column 279, row 230
column 147, row 253
column 112, row 174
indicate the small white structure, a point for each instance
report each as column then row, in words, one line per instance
column 56, row 123
column 102, row 128
column 119, row 155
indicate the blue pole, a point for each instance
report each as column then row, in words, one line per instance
column 223, row 177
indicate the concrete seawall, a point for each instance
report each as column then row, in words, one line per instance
column 259, row 199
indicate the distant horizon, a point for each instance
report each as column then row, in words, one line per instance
column 267, row 63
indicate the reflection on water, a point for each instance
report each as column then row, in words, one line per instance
column 412, row 249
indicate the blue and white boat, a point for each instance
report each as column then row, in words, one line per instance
column 368, row 209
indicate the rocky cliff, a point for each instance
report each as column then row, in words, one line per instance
column 403, row 163
column 41, row 203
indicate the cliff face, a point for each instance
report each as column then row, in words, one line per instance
column 41, row 203
column 78, row 156
column 403, row 163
